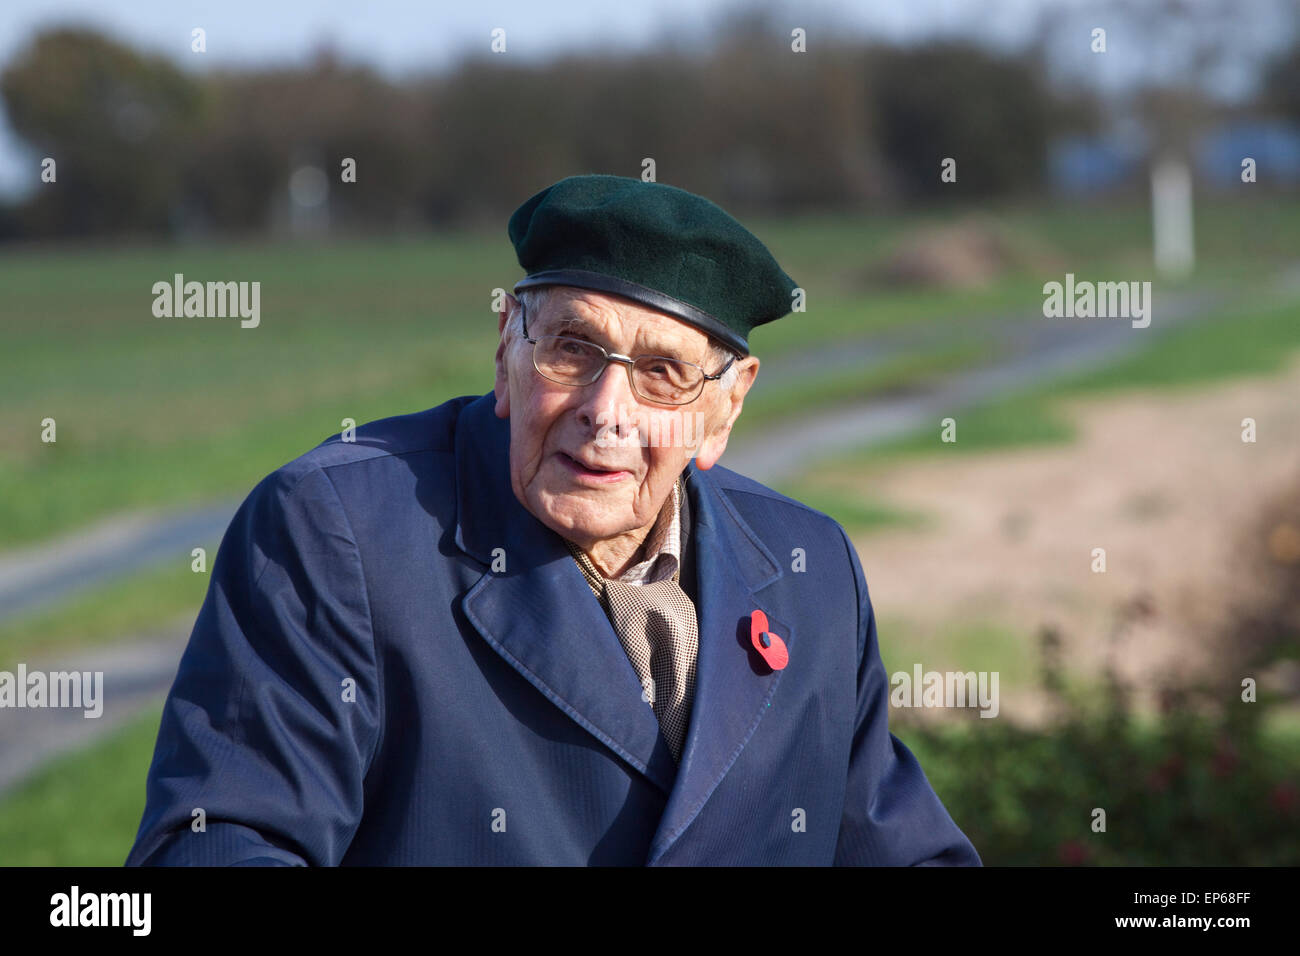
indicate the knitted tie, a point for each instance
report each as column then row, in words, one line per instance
column 657, row 626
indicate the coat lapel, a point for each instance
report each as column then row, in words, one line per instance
column 538, row 613
column 733, row 686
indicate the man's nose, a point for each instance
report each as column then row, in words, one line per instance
column 609, row 402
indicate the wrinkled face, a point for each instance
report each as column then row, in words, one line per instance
column 598, row 461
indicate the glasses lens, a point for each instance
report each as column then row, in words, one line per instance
column 666, row 380
column 568, row 361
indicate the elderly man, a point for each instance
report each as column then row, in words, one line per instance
column 539, row 626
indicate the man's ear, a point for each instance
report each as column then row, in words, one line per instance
column 712, row 447
column 501, row 388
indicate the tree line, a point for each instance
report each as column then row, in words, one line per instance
column 143, row 147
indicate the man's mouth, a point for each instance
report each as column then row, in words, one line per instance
column 586, row 471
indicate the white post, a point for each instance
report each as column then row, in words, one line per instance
column 1171, row 218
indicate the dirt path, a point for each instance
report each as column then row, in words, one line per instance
column 1161, row 480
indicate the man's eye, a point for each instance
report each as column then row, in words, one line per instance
column 666, row 370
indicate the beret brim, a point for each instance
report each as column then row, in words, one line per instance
column 599, row 282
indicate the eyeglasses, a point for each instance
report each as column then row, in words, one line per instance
column 656, row 378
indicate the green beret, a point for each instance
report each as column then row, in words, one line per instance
column 657, row 245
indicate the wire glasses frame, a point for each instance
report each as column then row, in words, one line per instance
column 669, row 390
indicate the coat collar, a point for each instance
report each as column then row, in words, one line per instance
column 539, row 615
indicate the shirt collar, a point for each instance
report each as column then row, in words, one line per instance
column 663, row 546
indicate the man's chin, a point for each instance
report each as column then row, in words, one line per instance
column 577, row 523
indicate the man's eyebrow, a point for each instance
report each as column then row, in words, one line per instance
column 569, row 323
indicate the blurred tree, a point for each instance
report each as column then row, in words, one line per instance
column 740, row 116
column 264, row 124
column 989, row 113
column 506, row 131
column 115, row 122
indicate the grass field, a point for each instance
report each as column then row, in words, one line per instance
column 154, row 412
column 124, row 608
column 1252, row 338
column 83, row 809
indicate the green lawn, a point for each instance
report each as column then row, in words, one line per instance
column 972, row 645
column 765, row 407
column 124, row 608
column 84, row 809
column 154, row 412
column 1248, row 340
